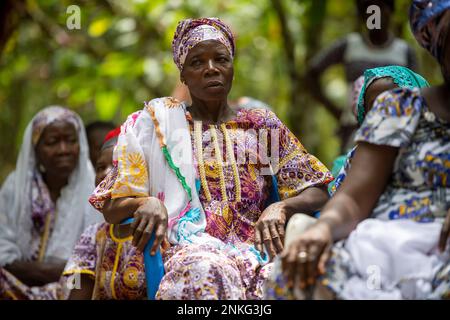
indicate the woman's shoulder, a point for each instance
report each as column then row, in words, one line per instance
column 92, row 233
column 95, row 228
column 149, row 107
column 163, row 102
column 393, row 119
column 399, row 102
column 7, row 187
column 260, row 117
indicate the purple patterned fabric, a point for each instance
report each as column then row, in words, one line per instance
column 430, row 22
column 42, row 207
column 190, row 32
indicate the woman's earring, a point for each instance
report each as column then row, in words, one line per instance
column 41, row 168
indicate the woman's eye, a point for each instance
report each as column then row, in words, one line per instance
column 195, row 63
column 51, row 142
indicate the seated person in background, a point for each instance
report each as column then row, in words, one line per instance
column 357, row 52
column 43, row 207
column 96, row 132
column 384, row 234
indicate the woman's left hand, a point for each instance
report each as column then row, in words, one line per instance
column 445, row 233
column 269, row 229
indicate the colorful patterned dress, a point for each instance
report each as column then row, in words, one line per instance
column 114, row 264
column 418, row 193
column 233, row 196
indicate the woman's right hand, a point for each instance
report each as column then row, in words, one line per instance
column 306, row 256
column 151, row 216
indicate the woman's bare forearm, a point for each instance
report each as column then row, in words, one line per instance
column 308, row 201
column 117, row 210
column 361, row 190
column 341, row 215
column 34, row 273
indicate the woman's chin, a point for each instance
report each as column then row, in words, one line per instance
column 62, row 171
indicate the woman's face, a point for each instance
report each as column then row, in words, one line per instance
column 103, row 165
column 58, row 148
column 208, row 71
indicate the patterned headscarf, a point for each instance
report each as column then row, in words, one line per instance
column 430, row 20
column 50, row 115
column 190, row 32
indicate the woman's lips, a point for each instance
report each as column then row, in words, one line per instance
column 64, row 161
column 214, row 83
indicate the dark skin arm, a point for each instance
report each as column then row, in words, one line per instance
column 34, row 273
column 149, row 213
column 86, row 289
column 375, row 89
column 269, row 229
column 353, row 202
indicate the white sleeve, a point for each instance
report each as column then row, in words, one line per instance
column 9, row 250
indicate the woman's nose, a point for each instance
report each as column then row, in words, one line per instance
column 63, row 147
column 211, row 65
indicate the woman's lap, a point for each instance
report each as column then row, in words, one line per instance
column 205, row 272
column 12, row 288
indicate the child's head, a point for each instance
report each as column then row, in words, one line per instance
column 105, row 159
column 96, row 132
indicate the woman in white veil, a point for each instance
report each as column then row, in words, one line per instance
column 43, row 205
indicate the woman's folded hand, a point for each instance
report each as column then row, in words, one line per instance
column 269, row 230
column 151, row 216
column 305, row 257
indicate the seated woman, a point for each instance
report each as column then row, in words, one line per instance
column 196, row 173
column 384, row 233
column 366, row 89
column 42, row 211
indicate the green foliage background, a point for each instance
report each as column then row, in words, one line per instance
column 122, row 56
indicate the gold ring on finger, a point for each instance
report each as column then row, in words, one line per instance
column 302, row 256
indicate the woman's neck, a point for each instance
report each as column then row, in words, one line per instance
column 55, row 185
column 210, row 111
column 379, row 39
column 437, row 99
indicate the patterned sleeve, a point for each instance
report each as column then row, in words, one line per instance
column 297, row 169
column 84, row 256
column 392, row 120
column 129, row 176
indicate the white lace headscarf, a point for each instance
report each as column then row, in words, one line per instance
column 73, row 210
